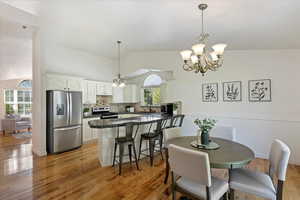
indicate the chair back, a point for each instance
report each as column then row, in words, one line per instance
column 279, row 159
column 191, row 164
column 224, row 132
column 177, row 120
column 170, row 133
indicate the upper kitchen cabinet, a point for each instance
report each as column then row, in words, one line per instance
column 127, row 94
column 104, row 88
column 58, row 82
column 89, row 92
column 93, row 88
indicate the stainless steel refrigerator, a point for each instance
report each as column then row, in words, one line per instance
column 64, row 120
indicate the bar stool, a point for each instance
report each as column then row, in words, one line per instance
column 176, row 121
column 152, row 136
column 128, row 139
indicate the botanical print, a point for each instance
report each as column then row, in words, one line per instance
column 210, row 92
column 260, row 90
column 232, row 91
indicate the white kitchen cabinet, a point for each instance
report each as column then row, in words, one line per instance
column 74, row 84
column 91, row 92
column 88, row 133
column 118, row 96
column 100, row 88
column 108, row 88
column 58, row 82
column 104, row 88
column 127, row 94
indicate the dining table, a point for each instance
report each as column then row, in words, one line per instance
column 229, row 154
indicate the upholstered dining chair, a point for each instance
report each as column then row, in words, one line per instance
column 224, row 132
column 170, row 133
column 195, row 180
column 261, row 184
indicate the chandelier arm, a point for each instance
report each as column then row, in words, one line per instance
column 187, row 66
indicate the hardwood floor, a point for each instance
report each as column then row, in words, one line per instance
column 77, row 175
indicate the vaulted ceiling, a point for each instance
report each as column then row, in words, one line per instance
column 142, row 25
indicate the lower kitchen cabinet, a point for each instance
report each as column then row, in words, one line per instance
column 88, row 133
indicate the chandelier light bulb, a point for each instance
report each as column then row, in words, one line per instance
column 115, row 85
column 186, row 54
column 214, row 56
column 122, row 85
column 198, row 49
column 194, row 59
column 219, row 48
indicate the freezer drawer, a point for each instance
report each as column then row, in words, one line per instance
column 65, row 139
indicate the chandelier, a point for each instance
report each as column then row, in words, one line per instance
column 199, row 59
column 119, row 82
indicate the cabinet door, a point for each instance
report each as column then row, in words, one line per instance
column 56, row 83
column 100, row 89
column 118, row 95
column 130, row 94
column 91, row 90
column 85, row 92
column 86, row 131
column 75, row 85
column 108, row 89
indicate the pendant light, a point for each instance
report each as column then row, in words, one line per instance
column 119, row 82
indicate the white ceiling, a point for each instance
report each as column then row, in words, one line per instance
column 30, row 6
column 95, row 25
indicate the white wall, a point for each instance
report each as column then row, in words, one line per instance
column 60, row 59
column 257, row 123
column 15, row 58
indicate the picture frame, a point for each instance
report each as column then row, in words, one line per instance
column 232, row 91
column 210, row 92
column 260, row 90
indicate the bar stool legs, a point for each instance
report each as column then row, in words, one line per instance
column 121, row 154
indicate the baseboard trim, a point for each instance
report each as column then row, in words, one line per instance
column 39, row 153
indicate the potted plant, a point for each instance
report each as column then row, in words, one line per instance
column 205, row 127
column 86, row 111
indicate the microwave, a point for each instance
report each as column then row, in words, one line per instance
column 167, row 108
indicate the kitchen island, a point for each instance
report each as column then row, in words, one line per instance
column 108, row 129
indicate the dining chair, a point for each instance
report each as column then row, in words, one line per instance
column 170, row 133
column 261, row 184
column 195, row 180
column 224, row 132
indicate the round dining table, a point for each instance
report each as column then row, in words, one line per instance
column 229, row 155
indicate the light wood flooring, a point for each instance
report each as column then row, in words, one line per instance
column 77, row 175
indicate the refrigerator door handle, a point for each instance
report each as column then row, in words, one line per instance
column 68, row 108
column 68, row 128
column 71, row 108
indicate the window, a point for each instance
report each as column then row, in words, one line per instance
column 25, row 84
column 151, row 92
column 152, row 96
column 19, row 101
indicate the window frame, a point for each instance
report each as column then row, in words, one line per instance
column 15, row 103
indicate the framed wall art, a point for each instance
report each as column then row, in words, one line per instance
column 210, row 92
column 260, row 90
column 232, row 91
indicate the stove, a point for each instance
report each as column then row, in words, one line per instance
column 104, row 112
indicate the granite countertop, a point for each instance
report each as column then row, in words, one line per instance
column 99, row 115
column 111, row 123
